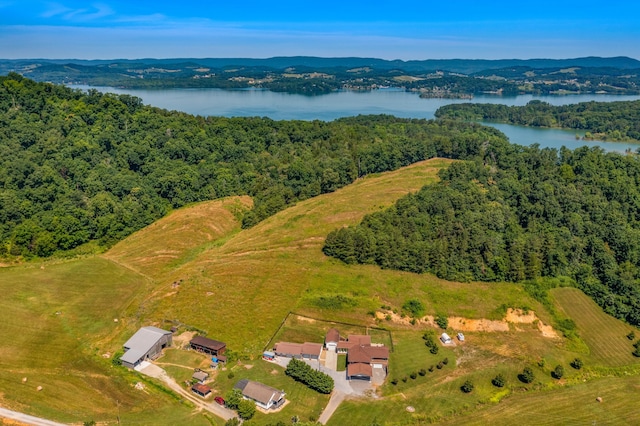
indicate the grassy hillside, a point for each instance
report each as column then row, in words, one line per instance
column 198, row 267
column 241, row 290
column 604, row 335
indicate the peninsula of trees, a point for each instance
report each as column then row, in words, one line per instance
column 616, row 121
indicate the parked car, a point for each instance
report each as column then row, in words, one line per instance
column 219, row 400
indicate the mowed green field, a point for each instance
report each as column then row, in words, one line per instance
column 57, row 322
column 604, row 335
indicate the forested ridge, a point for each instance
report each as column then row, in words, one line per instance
column 77, row 167
column 616, row 121
column 517, row 213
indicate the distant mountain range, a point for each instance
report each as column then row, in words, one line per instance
column 464, row 66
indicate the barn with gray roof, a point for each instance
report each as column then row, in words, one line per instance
column 147, row 343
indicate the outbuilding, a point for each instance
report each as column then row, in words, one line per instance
column 461, row 337
column 146, row 343
column 445, row 338
column 207, row 346
column 200, row 389
column 200, row 376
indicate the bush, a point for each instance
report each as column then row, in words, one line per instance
column 413, row 375
column 433, row 367
column 467, row 387
column 316, row 380
column 422, row 372
column 576, row 363
column 557, row 372
column 499, row 381
column 246, row 409
column 231, row 375
column 434, row 350
column 232, row 398
column 414, row 307
column 440, row 365
column 636, row 352
column 442, row 321
column 115, row 360
column 234, row 421
column 527, row 375
column 404, row 379
column 394, row 381
column 445, row 361
column 631, row 335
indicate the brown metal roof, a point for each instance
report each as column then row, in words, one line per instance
column 333, row 335
column 367, row 354
column 214, row 345
column 359, row 369
column 203, row 389
column 311, row 348
column 288, row 348
column 359, row 339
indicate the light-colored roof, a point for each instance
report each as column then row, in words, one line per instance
column 260, row 392
column 359, row 369
column 200, row 375
column 288, row 348
column 141, row 343
column 311, row 348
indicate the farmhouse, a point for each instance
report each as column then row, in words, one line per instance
column 207, row 346
column 200, row 389
column 363, row 357
column 264, row 396
column 147, row 343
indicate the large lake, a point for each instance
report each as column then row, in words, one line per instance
column 283, row 106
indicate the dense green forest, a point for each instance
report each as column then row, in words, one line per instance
column 78, row 167
column 616, row 121
column 517, row 213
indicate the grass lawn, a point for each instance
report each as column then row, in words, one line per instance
column 303, row 402
column 342, row 362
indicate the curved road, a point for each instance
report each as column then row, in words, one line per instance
column 27, row 419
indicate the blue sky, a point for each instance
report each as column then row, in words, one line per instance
column 409, row 29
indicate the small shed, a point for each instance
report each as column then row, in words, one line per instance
column 200, row 376
column 202, row 390
column 445, row 338
column 461, row 337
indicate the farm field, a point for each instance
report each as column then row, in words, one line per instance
column 604, row 335
column 198, row 270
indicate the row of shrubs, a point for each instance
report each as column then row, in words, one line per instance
column 422, row 372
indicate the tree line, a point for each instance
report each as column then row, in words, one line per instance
column 78, row 167
column 617, row 121
column 516, row 213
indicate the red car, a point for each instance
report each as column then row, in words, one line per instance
column 219, row 400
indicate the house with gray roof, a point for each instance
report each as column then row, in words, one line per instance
column 264, row 396
column 147, row 343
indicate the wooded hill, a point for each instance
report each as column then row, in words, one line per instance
column 517, row 213
column 616, row 121
column 79, row 167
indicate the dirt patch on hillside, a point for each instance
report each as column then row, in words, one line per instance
column 182, row 340
column 513, row 316
column 482, row 324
